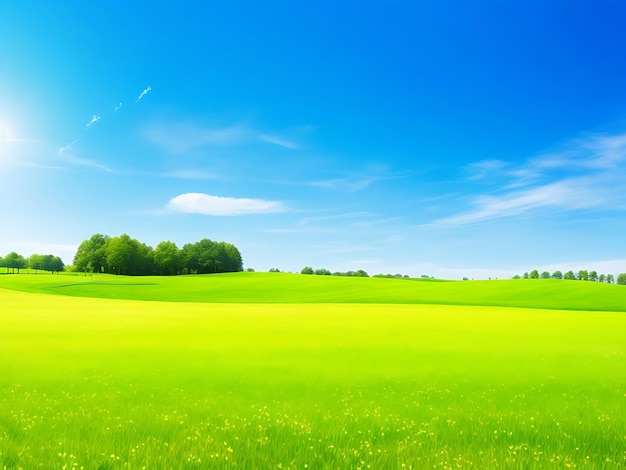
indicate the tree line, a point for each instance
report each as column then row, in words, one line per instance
column 326, row 272
column 581, row 275
column 13, row 262
column 128, row 256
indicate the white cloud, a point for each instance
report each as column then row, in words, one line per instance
column 94, row 119
column 142, row 94
column 199, row 203
column 118, row 107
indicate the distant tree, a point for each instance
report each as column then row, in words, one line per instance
column 534, row 274
column 583, row 275
column 526, row 275
column 124, row 255
column 274, row 270
column 557, row 275
column 569, row 275
column 517, row 276
column 602, row 278
column 307, row 270
column 168, row 259
column 52, row 263
column 610, row 278
column 361, row 273
column 621, row 279
column 249, row 270
column 91, row 255
column 593, row 276
column 322, row 272
column 35, row 262
column 13, row 261
column 545, row 275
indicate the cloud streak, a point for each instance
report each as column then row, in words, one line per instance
column 142, row 94
column 279, row 141
column 185, row 136
column 205, row 204
column 94, row 119
column 585, row 174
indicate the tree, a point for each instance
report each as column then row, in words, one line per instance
column 621, row 279
column 545, row 275
column 610, row 278
column 583, row 275
column 593, row 276
column 569, row 275
column 557, row 275
column 517, row 276
column 274, row 270
column 168, row 259
column 602, row 278
column 534, row 274
column 35, row 262
column 322, row 272
column 52, row 263
column 525, row 276
column 91, row 255
column 14, row 261
column 307, row 270
column 121, row 254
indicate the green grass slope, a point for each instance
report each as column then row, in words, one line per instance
column 115, row 384
column 295, row 288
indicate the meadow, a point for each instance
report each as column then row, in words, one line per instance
column 271, row 371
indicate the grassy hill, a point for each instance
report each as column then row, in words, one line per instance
column 296, row 288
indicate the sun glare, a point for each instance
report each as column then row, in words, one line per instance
column 8, row 138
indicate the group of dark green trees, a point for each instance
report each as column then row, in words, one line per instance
column 128, row 256
column 326, row 272
column 581, row 275
column 13, row 262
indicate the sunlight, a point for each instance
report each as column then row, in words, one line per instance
column 8, row 139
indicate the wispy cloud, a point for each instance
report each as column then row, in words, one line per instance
column 63, row 149
column 192, row 175
column 181, row 137
column 575, row 193
column 358, row 180
column 67, row 156
column 117, row 107
column 87, row 163
column 205, row 204
column 584, row 174
column 94, row 119
column 279, row 141
column 143, row 93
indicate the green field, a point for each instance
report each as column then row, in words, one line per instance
column 272, row 371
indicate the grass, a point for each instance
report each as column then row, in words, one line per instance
column 126, row 384
column 299, row 289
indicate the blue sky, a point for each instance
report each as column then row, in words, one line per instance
column 448, row 138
